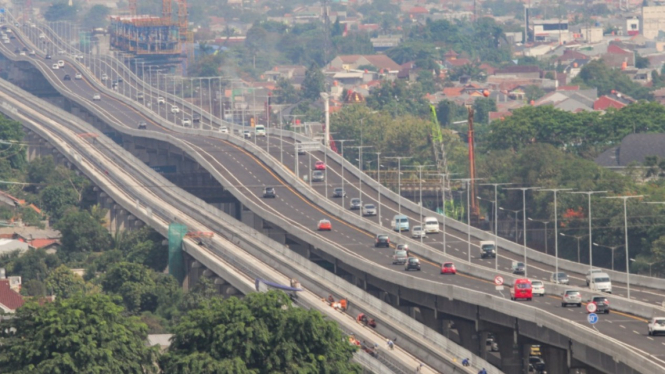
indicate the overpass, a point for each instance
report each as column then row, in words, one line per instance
column 351, row 232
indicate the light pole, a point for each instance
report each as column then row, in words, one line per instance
column 524, row 189
column 420, row 178
column 399, row 185
column 360, row 175
column 512, row 211
column 556, row 225
column 578, row 237
column 611, row 248
column 544, row 224
column 646, row 263
column 625, row 230
column 443, row 200
column 496, row 220
column 342, row 147
column 378, row 180
column 589, row 193
column 468, row 213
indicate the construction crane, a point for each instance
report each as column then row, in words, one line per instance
column 438, row 148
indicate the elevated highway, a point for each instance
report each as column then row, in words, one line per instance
column 236, row 163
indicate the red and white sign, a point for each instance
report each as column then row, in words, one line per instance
column 591, row 308
column 498, row 280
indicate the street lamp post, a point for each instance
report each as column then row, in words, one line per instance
column 496, row 222
column 512, row 211
column 378, row 180
column 360, row 175
column 420, row 178
column 646, row 263
column 468, row 213
column 524, row 189
column 443, row 200
column 578, row 237
column 625, row 233
column 342, row 147
column 545, row 224
column 556, row 225
column 611, row 248
column 399, row 184
column 589, row 193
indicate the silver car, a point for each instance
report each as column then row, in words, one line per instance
column 369, row 210
column 355, row 204
column 571, row 297
column 559, row 278
column 418, row 232
column 317, row 176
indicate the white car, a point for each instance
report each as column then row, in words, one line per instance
column 42, row 36
column 61, row 63
column 55, row 66
column 61, row 52
column 175, row 109
column 369, row 210
column 571, row 297
column 160, row 100
column 224, row 130
column 418, row 232
column 78, row 76
column 96, row 97
column 656, row 325
column 22, row 53
column 105, row 77
column 186, row 122
column 6, row 41
column 538, row 288
column 32, row 52
column 246, row 134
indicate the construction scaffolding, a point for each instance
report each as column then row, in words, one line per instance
column 146, row 35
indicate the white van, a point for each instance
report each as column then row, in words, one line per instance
column 431, row 225
column 400, row 222
column 601, row 282
column 260, row 130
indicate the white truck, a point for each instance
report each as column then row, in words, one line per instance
column 487, row 249
column 601, row 282
column 260, row 130
column 590, row 273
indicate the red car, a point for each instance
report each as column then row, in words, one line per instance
column 324, row 225
column 319, row 165
column 448, row 268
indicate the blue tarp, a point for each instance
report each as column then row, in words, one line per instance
column 274, row 285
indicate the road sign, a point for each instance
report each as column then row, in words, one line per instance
column 499, row 288
column 498, row 280
column 591, row 308
column 2, row 10
column 592, row 318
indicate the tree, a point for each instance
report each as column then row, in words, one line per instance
column 57, row 199
column 97, row 16
column 337, row 29
column 641, row 62
column 63, row 283
column 285, row 93
column 143, row 246
column 32, row 264
column 533, row 92
column 482, row 107
column 313, row 84
column 81, row 233
column 263, row 333
column 60, row 12
column 82, row 334
column 597, row 74
column 448, row 112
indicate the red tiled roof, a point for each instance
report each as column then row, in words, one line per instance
column 41, row 243
column 617, row 50
column 8, row 297
column 605, row 102
column 459, row 62
column 418, row 10
column 568, row 88
column 453, row 91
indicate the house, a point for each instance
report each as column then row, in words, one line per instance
column 287, row 72
column 617, row 57
column 659, row 95
column 10, row 300
column 615, row 100
column 520, row 71
column 634, row 149
column 34, row 237
column 353, row 62
column 8, row 246
column 569, row 100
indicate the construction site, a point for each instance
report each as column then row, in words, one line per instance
column 163, row 40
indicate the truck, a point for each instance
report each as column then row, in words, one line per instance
column 487, row 249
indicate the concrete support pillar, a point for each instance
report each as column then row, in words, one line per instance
column 430, row 319
column 510, row 352
column 557, row 360
column 468, row 335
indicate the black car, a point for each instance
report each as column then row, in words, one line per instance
column 602, row 304
column 119, row 80
column 412, row 264
column 382, row 240
column 48, row 57
column 17, row 50
column 339, row 192
column 269, row 192
column 143, row 126
column 196, row 118
column 67, row 77
column 537, row 364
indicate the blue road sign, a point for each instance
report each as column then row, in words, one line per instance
column 592, row 318
column 2, row 10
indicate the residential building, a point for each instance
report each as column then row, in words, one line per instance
column 653, row 21
column 634, row 149
column 385, row 42
column 632, row 25
column 8, row 246
column 10, row 300
column 592, row 34
column 618, row 57
column 520, row 71
column 353, row 62
column 553, row 30
column 570, row 100
column 287, row 72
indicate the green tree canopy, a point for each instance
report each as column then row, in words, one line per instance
column 313, row 84
column 33, row 264
column 97, row 16
column 597, row 74
column 82, row 233
column 63, row 283
column 60, row 12
column 82, row 334
column 263, row 333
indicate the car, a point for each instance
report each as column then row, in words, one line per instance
column 139, row 96
column 196, row 118
column 656, row 326
column 22, row 53
column 537, row 363
column 339, row 192
column 491, row 344
column 160, row 100
column 324, row 225
column 79, row 57
column 224, row 129
column 119, row 80
column 518, row 268
column 55, row 66
column 412, row 264
column 47, row 57
column 538, row 287
column 67, row 77
column 318, row 176
column 369, row 210
column 42, row 36
column 301, row 151
column 186, row 122
column 17, row 51
column 571, row 297
column 246, row 134
column 418, row 232
column 143, row 125
column 6, row 41
column 382, row 240
column 400, row 257
column 96, row 97
column 404, row 247
column 602, row 304
column 559, row 278
column 105, row 77
column 175, row 109
column 61, row 52
column 78, row 76
column 487, row 249
column 448, row 268
column 11, row 36
column 355, row 204
column 319, row 165
column 590, row 273
column 269, row 192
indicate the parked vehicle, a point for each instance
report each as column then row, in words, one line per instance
column 487, row 249
column 521, row 290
